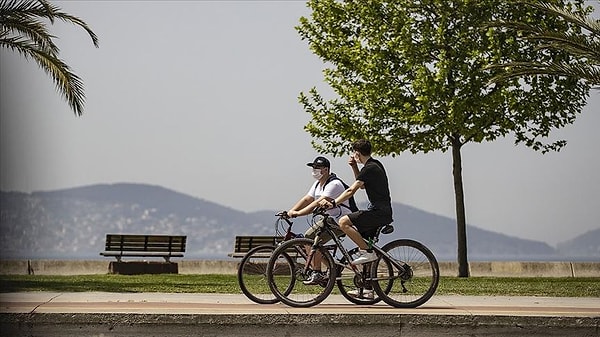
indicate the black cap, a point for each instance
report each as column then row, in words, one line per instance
column 320, row 162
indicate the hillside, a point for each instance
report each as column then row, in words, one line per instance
column 585, row 245
column 72, row 223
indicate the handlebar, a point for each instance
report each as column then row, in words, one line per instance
column 284, row 215
column 320, row 211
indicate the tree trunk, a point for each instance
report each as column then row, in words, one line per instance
column 461, row 222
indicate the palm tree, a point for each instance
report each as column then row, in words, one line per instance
column 584, row 49
column 22, row 29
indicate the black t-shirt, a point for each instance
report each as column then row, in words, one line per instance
column 376, row 184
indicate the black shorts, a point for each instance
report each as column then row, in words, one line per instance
column 368, row 221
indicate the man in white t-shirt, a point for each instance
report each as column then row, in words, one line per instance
column 327, row 187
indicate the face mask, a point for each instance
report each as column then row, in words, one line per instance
column 316, row 173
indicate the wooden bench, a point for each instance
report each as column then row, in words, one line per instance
column 128, row 245
column 244, row 243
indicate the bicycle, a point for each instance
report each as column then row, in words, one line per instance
column 252, row 274
column 405, row 274
column 252, row 270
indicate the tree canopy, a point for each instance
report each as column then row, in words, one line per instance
column 413, row 76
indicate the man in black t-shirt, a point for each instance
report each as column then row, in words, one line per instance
column 364, row 223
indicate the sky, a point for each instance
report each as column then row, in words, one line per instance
column 201, row 97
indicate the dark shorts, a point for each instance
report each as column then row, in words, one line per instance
column 368, row 221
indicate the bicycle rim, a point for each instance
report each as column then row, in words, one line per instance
column 252, row 275
column 412, row 285
column 287, row 270
column 348, row 281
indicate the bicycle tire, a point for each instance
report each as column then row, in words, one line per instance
column 252, row 275
column 288, row 286
column 417, row 284
column 348, row 281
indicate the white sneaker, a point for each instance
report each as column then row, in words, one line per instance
column 317, row 277
column 366, row 293
column 364, row 257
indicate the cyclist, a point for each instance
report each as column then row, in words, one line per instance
column 364, row 223
column 327, row 187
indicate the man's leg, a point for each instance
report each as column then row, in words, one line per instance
column 317, row 258
column 347, row 227
column 364, row 254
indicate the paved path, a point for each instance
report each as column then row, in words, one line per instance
column 100, row 302
column 228, row 315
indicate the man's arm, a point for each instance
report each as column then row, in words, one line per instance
column 344, row 196
column 300, row 205
column 354, row 165
column 305, row 210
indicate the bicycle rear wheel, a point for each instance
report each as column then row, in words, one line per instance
column 288, row 269
column 414, row 282
column 252, row 275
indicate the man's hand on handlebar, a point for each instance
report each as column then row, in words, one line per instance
column 319, row 210
column 292, row 214
column 325, row 204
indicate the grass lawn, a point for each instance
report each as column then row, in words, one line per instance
column 180, row 283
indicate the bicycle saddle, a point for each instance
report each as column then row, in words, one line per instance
column 387, row 229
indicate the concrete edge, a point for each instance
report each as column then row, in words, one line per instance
column 592, row 323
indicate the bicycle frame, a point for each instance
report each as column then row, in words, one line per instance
column 288, row 233
column 338, row 244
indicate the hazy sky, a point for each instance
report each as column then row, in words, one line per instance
column 201, row 97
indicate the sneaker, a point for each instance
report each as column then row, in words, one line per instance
column 364, row 257
column 368, row 294
column 316, row 277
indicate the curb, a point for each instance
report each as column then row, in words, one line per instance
column 109, row 324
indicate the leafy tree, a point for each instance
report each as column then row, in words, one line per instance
column 411, row 76
column 22, row 30
column 585, row 49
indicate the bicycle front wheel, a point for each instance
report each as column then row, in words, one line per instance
column 289, row 272
column 252, row 275
column 415, row 278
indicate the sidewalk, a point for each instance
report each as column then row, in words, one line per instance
column 147, row 314
column 173, row 303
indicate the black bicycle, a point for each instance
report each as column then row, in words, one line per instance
column 252, row 270
column 405, row 274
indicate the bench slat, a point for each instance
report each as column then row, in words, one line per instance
column 140, row 254
column 244, row 243
column 165, row 246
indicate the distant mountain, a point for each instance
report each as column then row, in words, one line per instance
column 72, row 223
column 585, row 245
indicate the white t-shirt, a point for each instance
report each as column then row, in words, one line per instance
column 332, row 190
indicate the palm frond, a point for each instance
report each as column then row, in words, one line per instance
column 588, row 23
column 576, row 45
column 583, row 49
column 69, row 84
column 24, row 10
column 23, row 31
column 591, row 73
column 32, row 29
